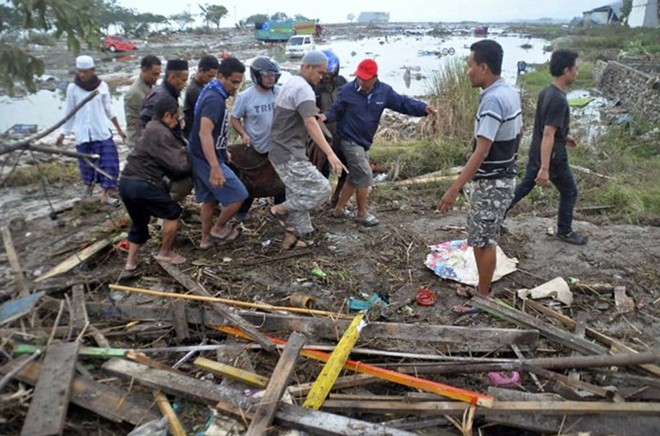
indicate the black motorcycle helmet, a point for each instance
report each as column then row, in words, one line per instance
column 265, row 65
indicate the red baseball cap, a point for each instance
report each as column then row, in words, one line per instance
column 367, row 69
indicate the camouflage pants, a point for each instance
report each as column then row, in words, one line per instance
column 305, row 188
column 489, row 200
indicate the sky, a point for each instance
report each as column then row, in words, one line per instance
column 336, row 11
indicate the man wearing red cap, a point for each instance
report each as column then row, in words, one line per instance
column 357, row 112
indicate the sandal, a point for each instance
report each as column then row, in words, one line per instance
column 279, row 219
column 464, row 309
column 343, row 215
column 295, row 243
column 471, row 292
column 367, row 221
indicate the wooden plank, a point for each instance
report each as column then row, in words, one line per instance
column 110, row 402
column 277, row 384
column 572, row 382
column 78, row 315
column 180, row 320
column 580, row 329
column 509, row 407
column 228, row 371
column 326, row 378
column 499, row 308
column 448, row 338
column 349, row 381
column 220, row 308
column 615, row 345
column 207, row 392
column 50, row 401
column 166, row 409
column 76, row 259
column 14, row 263
column 392, row 376
column 316, row 422
column 14, row 309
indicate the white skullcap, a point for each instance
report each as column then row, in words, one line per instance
column 315, row 58
column 84, row 62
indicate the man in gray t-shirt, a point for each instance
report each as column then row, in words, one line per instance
column 293, row 120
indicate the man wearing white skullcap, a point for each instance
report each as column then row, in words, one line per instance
column 92, row 132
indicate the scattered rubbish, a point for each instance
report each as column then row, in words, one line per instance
column 502, row 379
column 317, row 271
column 602, row 306
column 360, row 304
column 580, row 102
column 425, row 297
column 556, row 288
column 454, row 260
column 302, row 300
column 15, row 309
column 623, row 303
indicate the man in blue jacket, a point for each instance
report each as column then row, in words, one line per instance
column 357, row 112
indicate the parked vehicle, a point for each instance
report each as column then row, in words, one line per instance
column 116, row 43
column 274, row 30
column 299, row 45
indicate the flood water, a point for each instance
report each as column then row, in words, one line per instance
column 393, row 55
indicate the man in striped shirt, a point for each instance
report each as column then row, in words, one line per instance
column 492, row 165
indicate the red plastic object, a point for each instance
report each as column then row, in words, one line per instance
column 425, row 297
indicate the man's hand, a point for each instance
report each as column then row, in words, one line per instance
column 543, row 177
column 430, row 110
column 447, row 201
column 217, row 177
column 122, row 135
column 60, row 140
column 246, row 139
column 571, row 142
column 321, row 118
column 336, row 165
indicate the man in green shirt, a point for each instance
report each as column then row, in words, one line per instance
column 150, row 68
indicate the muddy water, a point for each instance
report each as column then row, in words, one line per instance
column 392, row 54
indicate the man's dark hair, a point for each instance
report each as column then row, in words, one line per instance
column 208, row 62
column 231, row 65
column 164, row 105
column 490, row 53
column 560, row 60
column 149, row 61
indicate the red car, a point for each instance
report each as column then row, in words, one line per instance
column 118, row 43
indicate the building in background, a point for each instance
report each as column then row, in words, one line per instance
column 607, row 14
column 374, row 17
column 644, row 13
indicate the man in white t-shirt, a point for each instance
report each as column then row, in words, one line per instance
column 252, row 115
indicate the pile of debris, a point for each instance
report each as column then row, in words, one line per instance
column 122, row 353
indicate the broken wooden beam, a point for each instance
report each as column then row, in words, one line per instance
column 509, row 407
column 220, row 308
column 333, row 366
column 206, row 392
column 228, row 371
column 572, row 383
column 627, row 359
column 501, row 309
column 263, row 417
column 166, row 409
column 14, row 263
column 348, row 381
column 450, row 338
column 107, row 401
column 392, row 376
column 50, row 400
column 76, row 259
column 615, row 345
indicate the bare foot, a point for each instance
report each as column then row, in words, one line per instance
column 130, row 266
column 173, row 258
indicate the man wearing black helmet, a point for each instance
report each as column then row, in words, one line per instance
column 252, row 114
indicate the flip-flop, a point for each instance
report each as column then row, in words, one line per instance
column 367, row 221
column 233, row 235
column 297, row 243
column 471, row 292
column 345, row 214
column 113, row 201
column 464, row 309
column 279, row 219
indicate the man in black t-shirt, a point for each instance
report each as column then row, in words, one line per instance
column 548, row 158
column 207, row 70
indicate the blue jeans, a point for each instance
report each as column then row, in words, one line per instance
column 562, row 177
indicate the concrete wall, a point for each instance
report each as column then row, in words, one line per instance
column 637, row 91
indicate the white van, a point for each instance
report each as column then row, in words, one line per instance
column 299, row 45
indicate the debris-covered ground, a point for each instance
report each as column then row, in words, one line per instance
column 115, row 343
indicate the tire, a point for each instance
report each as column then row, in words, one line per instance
column 112, row 48
column 444, row 51
column 452, row 52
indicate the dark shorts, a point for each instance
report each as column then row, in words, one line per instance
column 357, row 161
column 231, row 192
column 144, row 200
column 489, row 200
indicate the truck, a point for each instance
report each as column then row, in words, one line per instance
column 281, row 31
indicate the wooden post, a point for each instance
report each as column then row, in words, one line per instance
column 166, row 409
column 265, row 413
column 23, row 290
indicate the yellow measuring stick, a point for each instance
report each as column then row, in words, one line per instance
column 326, row 379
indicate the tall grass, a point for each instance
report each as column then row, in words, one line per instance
column 456, row 102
